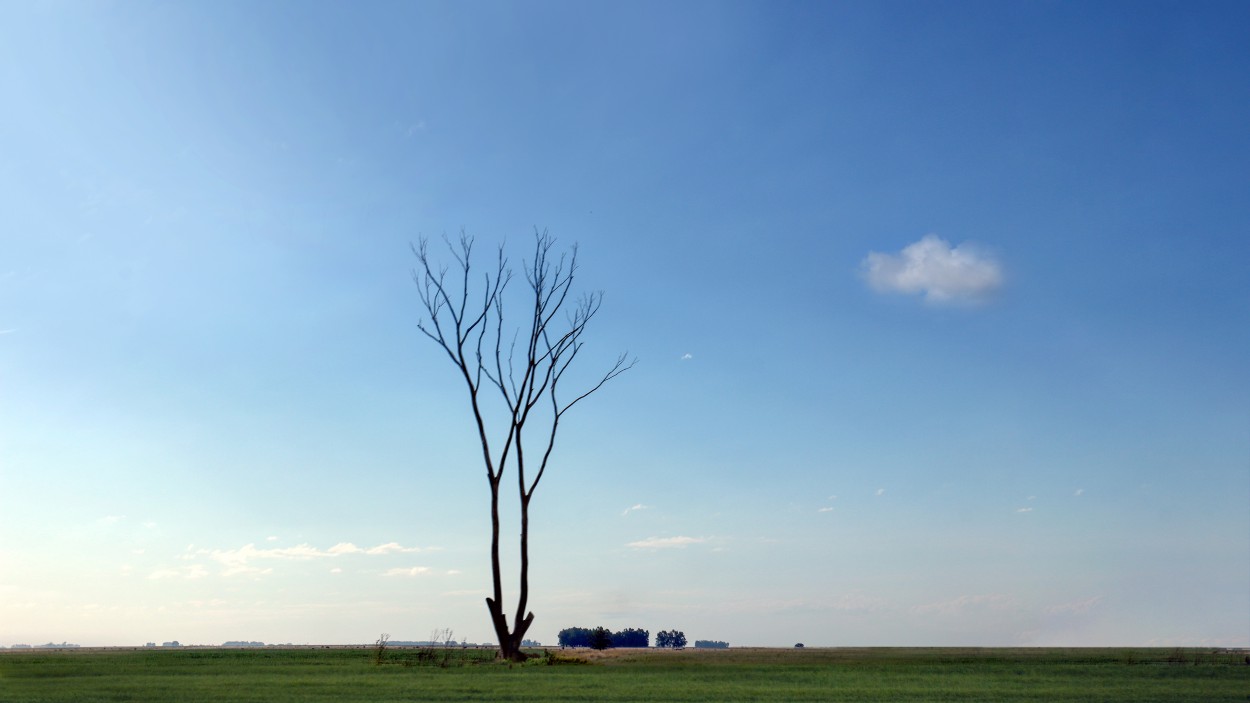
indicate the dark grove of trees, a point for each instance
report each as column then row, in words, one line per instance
column 710, row 644
column 670, row 638
column 602, row 638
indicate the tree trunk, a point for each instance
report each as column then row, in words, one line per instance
column 509, row 642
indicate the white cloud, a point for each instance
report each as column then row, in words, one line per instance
column 687, row 357
column 825, row 510
column 336, row 570
column 1079, row 491
column 880, row 491
column 666, row 542
column 1074, row 608
column 414, row 571
column 1024, row 510
column 632, row 508
column 191, row 571
column 944, row 274
column 961, row 604
column 271, row 538
column 239, row 561
column 392, row 548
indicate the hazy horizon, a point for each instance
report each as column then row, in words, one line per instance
column 942, row 316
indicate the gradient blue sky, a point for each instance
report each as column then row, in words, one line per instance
column 942, row 315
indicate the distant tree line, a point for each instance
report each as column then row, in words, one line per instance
column 603, row 638
column 675, row 639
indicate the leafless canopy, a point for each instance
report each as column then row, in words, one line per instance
column 520, row 363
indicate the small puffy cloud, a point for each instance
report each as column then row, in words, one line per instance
column 666, row 542
column 632, row 508
column 271, row 538
column 880, row 491
column 1024, row 510
column 825, row 510
column 336, row 570
column 932, row 267
column 413, row 571
column 687, row 357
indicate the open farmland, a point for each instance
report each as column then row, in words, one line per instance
column 840, row 674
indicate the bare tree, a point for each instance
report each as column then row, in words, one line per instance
column 521, row 366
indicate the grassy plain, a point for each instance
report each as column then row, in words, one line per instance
column 842, row 674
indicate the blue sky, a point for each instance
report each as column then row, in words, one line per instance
column 941, row 312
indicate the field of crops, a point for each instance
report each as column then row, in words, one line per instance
column 842, row 674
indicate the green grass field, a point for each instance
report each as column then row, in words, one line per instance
column 887, row 674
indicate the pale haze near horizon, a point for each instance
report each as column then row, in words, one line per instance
column 942, row 316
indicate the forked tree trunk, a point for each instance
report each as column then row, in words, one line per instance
column 509, row 641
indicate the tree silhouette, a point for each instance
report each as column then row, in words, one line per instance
column 676, row 639
column 523, row 366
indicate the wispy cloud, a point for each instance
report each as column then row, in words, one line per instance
column 1079, row 491
column 190, row 571
column 825, row 510
column 932, row 267
column 962, row 604
column 1024, row 510
column 393, row 548
column 8, row 331
column 633, row 508
column 880, row 491
column 411, row 571
column 687, row 357
column 1075, row 607
column 240, row 561
column 666, row 542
